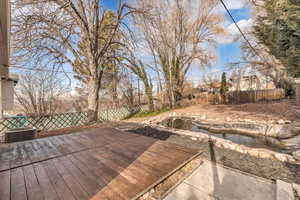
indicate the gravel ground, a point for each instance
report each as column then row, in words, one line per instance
column 266, row 168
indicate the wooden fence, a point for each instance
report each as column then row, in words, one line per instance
column 64, row 120
column 255, row 96
column 236, row 97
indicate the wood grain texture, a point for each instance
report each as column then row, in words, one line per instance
column 100, row 164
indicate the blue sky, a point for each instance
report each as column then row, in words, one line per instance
column 110, row 4
column 227, row 50
column 230, row 52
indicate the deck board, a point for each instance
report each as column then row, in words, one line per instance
column 5, row 185
column 72, row 183
column 45, row 183
column 34, row 191
column 98, row 164
column 89, row 184
column 57, row 181
column 18, row 188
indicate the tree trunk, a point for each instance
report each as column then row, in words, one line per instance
column 170, row 94
column 93, row 99
column 149, row 93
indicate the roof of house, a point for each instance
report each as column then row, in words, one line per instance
column 219, row 84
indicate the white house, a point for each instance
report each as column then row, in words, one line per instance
column 250, row 81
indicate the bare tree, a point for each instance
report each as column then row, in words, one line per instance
column 139, row 68
column 50, row 32
column 128, row 91
column 208, row 80
column 179, row 33
column 40, row 93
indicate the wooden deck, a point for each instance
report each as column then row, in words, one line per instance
column 99, row 164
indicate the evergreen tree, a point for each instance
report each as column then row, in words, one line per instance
column 224, row 87
column 279, row 30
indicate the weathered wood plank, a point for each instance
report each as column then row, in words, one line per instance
column 57, row 181
column 113, row 184
column 104, row 164
column 34, row 191
column 5, row 152
column 45, row 183
column 18, row 188
column 5, row 185
column 104, row 176
column 75, row 187
column 60, row 145
column 19, row 155
column 87, row 180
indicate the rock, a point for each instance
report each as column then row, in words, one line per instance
column 240, row 120
column 280, row 131
column 270, row 122
column 228, row 119
column 296, row 187
column 296, row 155
column 281, row 121
column 284, row 191
column 203, row 117
column 250, row 121
column 291, row 143
column 173, row 114
column 287, row 122
column 281, row 157
column 265, row 155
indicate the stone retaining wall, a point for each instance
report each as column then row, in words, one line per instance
column 163, row 133
column 284, row 136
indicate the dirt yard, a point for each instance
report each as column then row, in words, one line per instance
column 269, row 111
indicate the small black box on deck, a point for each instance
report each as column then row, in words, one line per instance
column 20, row 134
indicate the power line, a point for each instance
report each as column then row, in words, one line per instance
column 41, row 70
column 244, row 36
column 225, row 7
column 234, row 21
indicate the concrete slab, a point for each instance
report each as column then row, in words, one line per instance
column 216, row 182
column 284, row 191
column 188, row 192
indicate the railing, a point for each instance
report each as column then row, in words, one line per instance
column 64, row 120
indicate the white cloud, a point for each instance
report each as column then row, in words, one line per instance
column 231, row 5
column 235, row 4
column 232, row 33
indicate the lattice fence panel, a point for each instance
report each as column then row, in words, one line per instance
column 120, row 113
column 49, row 122
column 65, row 120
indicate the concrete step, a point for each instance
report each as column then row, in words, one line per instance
column 284, row 191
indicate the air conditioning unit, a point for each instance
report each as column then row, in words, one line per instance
column 20, row 134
